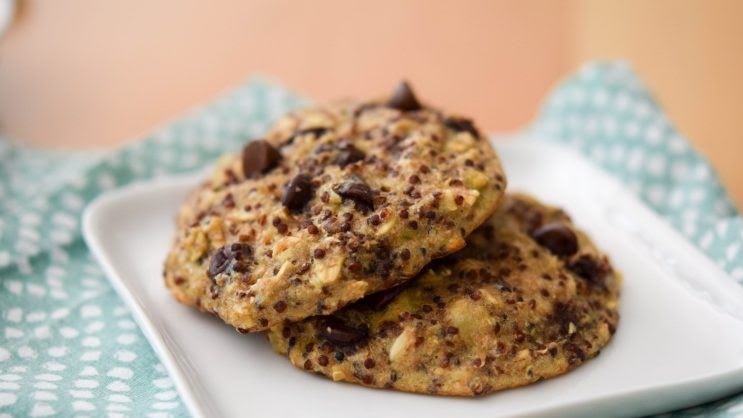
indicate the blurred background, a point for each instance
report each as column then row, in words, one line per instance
column 86, row 73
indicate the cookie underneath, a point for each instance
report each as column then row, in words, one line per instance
column 529, row 298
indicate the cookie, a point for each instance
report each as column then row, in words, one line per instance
column 334, row 203
column 529, row 298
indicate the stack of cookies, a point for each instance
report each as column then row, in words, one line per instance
column 375, row 243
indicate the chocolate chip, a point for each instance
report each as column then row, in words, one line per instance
column 590, row 269
column 219, row 262
column 577, row 352
column 348, row 154
column 222, row 258
column 282, row 228
column 241, row 267
column 379, row 300
column 229, row 201
column 317, row 132
column 337, row 332
column 462, row 125
column 214, row 291
column 240, row 251
column 279, row 306
column 259, row 157
column 403, row 98
column 297, row 193
column 354, row 188
column 557, row 238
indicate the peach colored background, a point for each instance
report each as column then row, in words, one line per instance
column 84, row 73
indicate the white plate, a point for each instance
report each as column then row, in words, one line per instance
column 679, row 341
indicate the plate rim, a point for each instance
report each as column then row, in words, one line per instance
column 90, row 218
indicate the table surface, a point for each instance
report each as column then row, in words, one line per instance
column 90, row 74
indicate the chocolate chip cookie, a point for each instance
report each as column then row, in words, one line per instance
column 334, row 203
column 529, row 297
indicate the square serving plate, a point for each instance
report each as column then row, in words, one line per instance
column 679, row 341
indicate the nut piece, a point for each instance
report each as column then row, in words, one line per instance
column 460, row 316
column 401, row 344
column 475, row 179
column 326, row 271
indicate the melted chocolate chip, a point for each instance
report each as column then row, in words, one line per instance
column 339, row 333
column 557, row 238
column 348, row 154
column 225, row 255
column 258, row 158
column 590, row 269
column 462, row 125
column 354, row 188
column 403, row 98
column 297, row 193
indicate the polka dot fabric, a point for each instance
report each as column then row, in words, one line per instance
column 68, row 346
column 608, row 115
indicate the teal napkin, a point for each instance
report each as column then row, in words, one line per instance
column 68, row 345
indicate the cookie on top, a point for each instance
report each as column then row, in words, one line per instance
column 335, row 202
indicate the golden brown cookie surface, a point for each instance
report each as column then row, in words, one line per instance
column 529, row 297
column 337, row 202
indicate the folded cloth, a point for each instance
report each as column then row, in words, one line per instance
column 71, row 347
